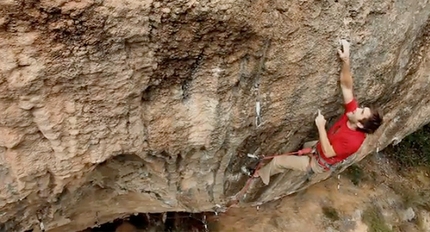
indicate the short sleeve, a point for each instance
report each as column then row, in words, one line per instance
column 351, row 106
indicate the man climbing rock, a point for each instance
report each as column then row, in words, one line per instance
column 343, row 139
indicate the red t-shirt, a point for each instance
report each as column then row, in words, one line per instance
column 344, row 141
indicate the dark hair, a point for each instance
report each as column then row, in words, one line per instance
column 372, row 123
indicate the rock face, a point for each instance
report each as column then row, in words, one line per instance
column 121, row 106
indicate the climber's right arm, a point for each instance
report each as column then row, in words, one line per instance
column 345, row 74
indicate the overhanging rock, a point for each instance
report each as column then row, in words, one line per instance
column 115, row 107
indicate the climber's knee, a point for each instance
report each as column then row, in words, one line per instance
column 275, row 162
column 310, row 144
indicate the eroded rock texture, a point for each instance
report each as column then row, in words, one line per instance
column 120, row 106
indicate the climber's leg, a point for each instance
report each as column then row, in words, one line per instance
column 280, row 164
column 316, row 167
column 310, row 144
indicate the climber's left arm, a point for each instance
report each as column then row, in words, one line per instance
column 346, row 81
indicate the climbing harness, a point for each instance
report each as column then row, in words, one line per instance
column 239, row 195
column 331, row 167
column 322, row 162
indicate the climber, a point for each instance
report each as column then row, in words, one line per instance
column 343, row 139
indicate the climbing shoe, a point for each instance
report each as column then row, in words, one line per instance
column 247, row 171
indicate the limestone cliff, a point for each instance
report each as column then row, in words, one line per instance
column 120, row 106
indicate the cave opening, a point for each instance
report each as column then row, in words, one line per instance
column 161, row 222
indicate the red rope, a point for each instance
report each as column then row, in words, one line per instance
column 245, row 188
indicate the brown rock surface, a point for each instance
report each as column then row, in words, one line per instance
column 338, row 205
column 114, row 107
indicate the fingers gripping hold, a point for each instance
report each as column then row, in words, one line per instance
column 344, row 50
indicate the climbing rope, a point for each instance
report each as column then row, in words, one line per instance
column 239, row 195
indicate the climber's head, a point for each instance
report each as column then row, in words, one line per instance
column 366, row 119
